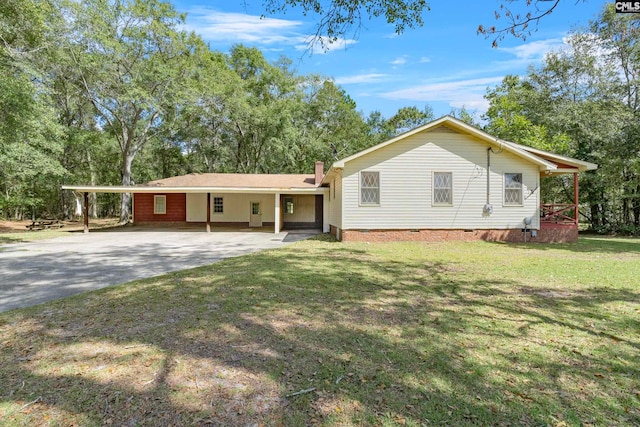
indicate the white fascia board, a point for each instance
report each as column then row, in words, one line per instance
column 544, row 165
column 580, row 164
column 222, row 190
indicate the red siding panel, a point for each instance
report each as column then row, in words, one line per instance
column 176, row 208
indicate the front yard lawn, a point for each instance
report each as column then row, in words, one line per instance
column 325, row 333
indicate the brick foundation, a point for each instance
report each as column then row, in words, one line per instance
column 546, row 235
column 557, row 233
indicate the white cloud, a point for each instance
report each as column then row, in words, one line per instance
column 476, row 104
column 218, row 26
column 467, row 93
column 465, row 88
column 534, row 50
column 360, row 78
column 321, row 45
column 400, row 60
column 424, row 60
column 528, row 53
column 230, row 27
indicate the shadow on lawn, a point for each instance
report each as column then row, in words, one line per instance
column 588, row 243
column 401, row 343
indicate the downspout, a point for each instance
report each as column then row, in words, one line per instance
column 488, row 175
column 488, row 209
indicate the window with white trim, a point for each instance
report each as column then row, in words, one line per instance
column 369, row 188
column 159, row 205
column 218, row 205
column 443, row 188
column 513, row 189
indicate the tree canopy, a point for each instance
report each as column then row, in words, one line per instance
column 583, row 102
column 115, row 92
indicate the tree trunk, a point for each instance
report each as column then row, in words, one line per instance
column 636, row 208
column 626, row 218
column 93, row 199
column 125, row 199
column 595, row 216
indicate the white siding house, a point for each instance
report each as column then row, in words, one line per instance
column 445, row 175
column 444, row 180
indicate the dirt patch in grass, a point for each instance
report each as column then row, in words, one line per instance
column 21, row 226
column 17, row 231
column 325, row 333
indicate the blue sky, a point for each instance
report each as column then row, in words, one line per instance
column 444, row 64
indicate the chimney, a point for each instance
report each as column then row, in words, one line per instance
column 319, row 172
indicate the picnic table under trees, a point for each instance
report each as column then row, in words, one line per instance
column 44, row 224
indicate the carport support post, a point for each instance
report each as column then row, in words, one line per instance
column 208, row 212
column 276, row 220
column 86, row 212
column 575, row 199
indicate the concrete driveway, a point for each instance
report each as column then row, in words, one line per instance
column 36, row 272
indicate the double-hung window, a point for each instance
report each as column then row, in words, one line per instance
column 443, row 188
column 369, row 188
column 513, row 189
column 159, row 205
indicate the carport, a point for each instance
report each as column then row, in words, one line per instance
column 215, row 199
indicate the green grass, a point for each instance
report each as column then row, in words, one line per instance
column 386, row 334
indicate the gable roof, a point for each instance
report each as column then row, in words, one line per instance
column 545, row 160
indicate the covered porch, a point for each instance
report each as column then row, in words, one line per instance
column 559, row 221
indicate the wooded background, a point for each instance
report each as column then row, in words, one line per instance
column 112, row 92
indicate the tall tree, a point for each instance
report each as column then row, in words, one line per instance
column 408, row 118
column 514, row 114
column 134, row 65
column 619, row 37
column 466, row 116
column 583, row 102
column 329, row 123
column 262, row 124
column 205, row 129
column 405, row 119
column 29, row 134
